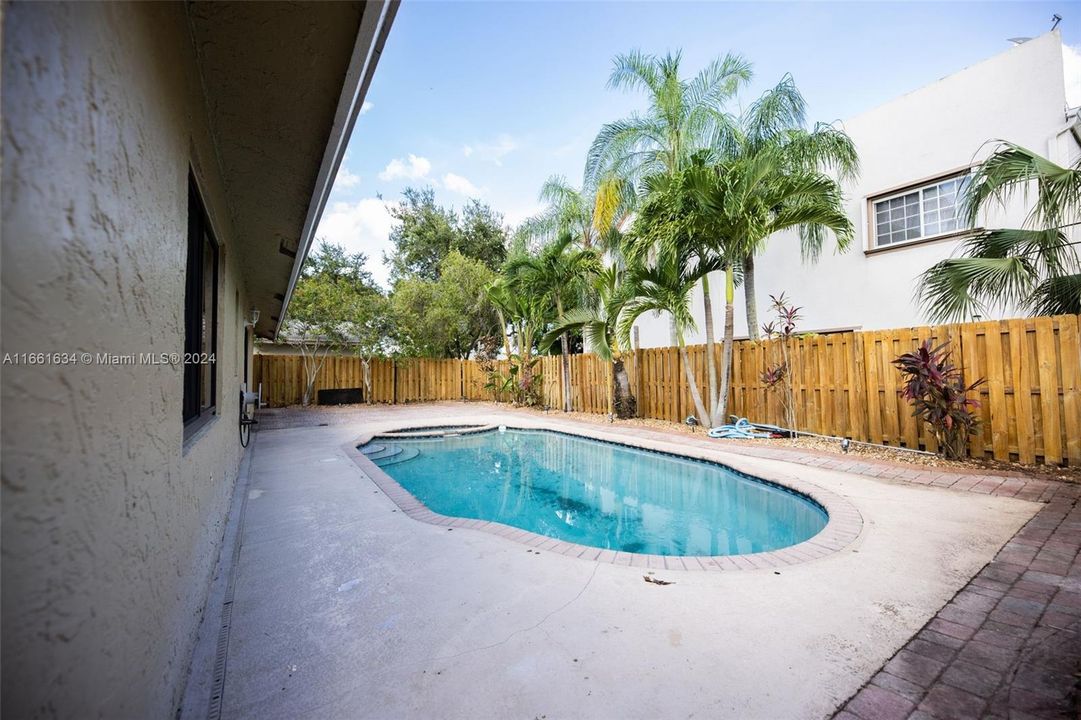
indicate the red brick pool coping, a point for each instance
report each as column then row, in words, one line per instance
column 843, row 526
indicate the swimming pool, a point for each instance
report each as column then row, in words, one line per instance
column 598, row 494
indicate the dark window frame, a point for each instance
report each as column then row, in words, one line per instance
column 200, row 234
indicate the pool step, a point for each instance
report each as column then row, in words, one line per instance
column 372, row 449
column 388, row 451
column 406, row 454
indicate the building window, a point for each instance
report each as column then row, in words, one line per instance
column 200, row 314
column 919, row 213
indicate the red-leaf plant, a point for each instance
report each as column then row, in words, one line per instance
column 937, row 391
column 776, row 376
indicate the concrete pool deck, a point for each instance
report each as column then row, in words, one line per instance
column 339, row 605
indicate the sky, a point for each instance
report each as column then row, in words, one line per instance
column 488, row 99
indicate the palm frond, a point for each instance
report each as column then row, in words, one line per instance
column 825, row 148
column 622, row 147
column 557, row 191
column 635, row 70
column 610, row 197
column 1011, row 170
column 956, row 289
column 1057, row 296
column 780, row 108
column 718, row 81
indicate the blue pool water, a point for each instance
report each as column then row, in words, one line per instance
column 598, row 494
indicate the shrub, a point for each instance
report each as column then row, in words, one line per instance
column 521, row 382
column 777, row 376
column 937, row 391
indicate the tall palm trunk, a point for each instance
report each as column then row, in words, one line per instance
column 609, row 372
column 748, row 297
column 625, row 403
column 525, row 362
column 699, row 406
column 566, row 366
column 503, row 332
column 726, row 355
column 711, row 363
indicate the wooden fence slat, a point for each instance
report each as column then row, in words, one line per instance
column 886, row 353
column 1000, row 439
column 843, row 384
column 857, row 406
column 872, row 384
column 1049, row 387
column 1020, row 363
column 1070, row 364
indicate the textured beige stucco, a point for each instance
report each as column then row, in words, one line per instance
column 111, row 524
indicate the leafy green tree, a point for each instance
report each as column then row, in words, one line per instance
column 482, row 234
column 427, row 233
column 445, row 317
column 369, row 328
column 598, row 322
column 424, row 236
column 790, row 186
column 331, row 263
column 1034, row 268
column 559, row 273
column 331, row 282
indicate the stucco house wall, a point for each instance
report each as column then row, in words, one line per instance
column 111, row 522
column 1017, row 95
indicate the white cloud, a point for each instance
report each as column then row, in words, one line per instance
column 461, row 185
column 345, row 178
column 494, row 151
column 366, row 106
column 411, row 168
column 363, row 226
column 515, row 216
column 1071, row 66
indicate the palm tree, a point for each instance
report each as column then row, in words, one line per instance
column 682, row 116
column 558, row 273
column 598, row 323
column 683, row 119
column 773, row 130
column 674, row 227
column 1034, row 268
column 528, row 314
column 741, row 202
column 591, row 215
column 666, row 286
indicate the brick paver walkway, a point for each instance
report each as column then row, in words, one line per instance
column 1009, row 643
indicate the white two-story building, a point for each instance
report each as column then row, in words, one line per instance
column 913, row 150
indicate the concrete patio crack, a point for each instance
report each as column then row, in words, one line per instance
column 520, row 631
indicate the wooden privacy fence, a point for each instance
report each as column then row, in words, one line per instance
column 844, row 384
